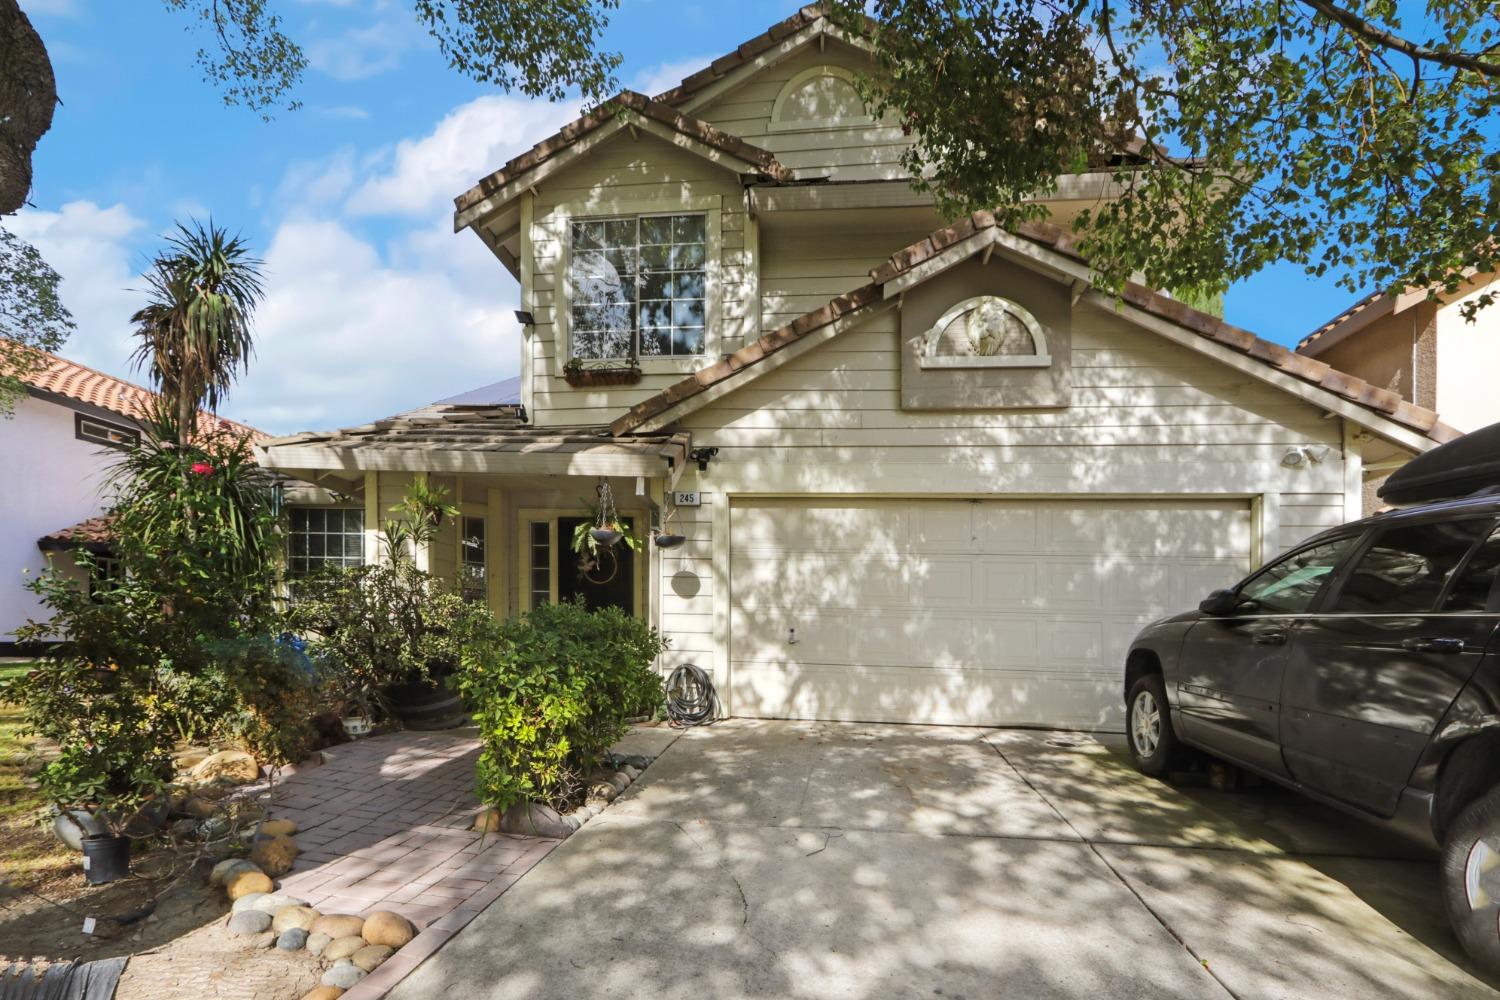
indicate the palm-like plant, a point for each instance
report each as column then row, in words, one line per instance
column 195, row 333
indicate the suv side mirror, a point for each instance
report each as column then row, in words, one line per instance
column 1221, row 602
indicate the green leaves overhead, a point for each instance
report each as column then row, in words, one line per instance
column 32, row 316
column 1359, row 139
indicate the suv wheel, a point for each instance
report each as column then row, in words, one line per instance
column 1470, row 872
column 1148, row 726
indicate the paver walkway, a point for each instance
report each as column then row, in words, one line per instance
column 383, row 824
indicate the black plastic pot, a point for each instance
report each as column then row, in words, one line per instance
column 606, row 536
column 427, row 704
column 669, row 541
column 105, row 859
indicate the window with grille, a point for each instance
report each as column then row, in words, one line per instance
column 102, row 432
column 472, row 576
column 540, row 563
column 638, row 287
column 325, row 538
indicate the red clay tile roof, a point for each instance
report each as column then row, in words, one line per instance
column 1388, row 403
column 87, row 385
column 743, row 53
column 1361, row 305
column 95, row 533
column 565, row 137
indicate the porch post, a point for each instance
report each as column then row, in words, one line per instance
column 372, row 518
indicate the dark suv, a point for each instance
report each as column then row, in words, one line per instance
column 1362, row 668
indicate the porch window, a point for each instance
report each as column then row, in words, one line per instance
column 325, row 538
column 638, row 287
column 472, row 577
column 540, row 563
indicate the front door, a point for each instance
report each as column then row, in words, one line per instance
column 1376, row 668
column 1230, row 678
column 604, row 578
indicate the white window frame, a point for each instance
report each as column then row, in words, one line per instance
column 558, row 225
column 364, row 554
column 779, row 123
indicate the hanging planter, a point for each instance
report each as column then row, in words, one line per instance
column 606, row 536
column 665, row 541
column 601, row 373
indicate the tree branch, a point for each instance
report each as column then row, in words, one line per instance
column 1377, row 35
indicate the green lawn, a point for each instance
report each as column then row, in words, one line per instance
column 26, row 848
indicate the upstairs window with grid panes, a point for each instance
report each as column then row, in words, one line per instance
column 638, row 287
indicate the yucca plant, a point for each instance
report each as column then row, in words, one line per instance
column 195, row 335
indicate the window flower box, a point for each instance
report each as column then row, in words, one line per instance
column 598, row 374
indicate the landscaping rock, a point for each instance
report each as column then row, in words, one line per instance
column 230, row 866
column 620, row 782
column 294, row 917
column 198, row 807
column 324, row 993
column 235, row 765
column 264, row 939
column 249, row 922
column 631, row 770
column 487, row 821
column 291, row 939
column 603, row 790
column 532, row 819
column 272, row 902
column 317, row 941
column 275, row 856
column 342, row 948
column 388, row 928
column 71, row 827
column 597, row 803
column 343, row 976
column 338, row 925
column 244, row 883
column 371, row 956
column 278, row 827
column 573, row 820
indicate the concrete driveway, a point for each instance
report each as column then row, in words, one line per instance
column 762, row 859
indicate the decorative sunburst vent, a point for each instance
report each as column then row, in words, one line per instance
column 984, row 332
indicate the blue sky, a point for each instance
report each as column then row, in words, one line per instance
column 373, row 305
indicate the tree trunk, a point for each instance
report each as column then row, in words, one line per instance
column 28, row 96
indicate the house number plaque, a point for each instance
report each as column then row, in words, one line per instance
column 686, row 499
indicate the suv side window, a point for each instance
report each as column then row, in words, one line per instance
column 1405, row 569
column 1288, row 586
column 1471, row 591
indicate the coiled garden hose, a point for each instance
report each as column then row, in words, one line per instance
column 691, row 699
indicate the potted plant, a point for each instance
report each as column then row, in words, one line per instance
column 581, row 374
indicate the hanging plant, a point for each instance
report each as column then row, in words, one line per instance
column 663, row 538
column 603, row 530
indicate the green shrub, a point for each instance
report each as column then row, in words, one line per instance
column 551, row 691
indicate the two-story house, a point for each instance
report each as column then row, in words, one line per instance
column 926, row 471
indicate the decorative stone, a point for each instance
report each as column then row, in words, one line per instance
column 293, row 917
column 620, row 782
column 230, row 866
column 72, row 826
column 371, row 956
column 275, row 856
column 603, row 790
column 532, row 819
column 337, row 925
column 343, row 976
column 198, row 807
column 249, row 922
column 631, row 770
column 487, row 821
column 291, row 939
column 316, row 942
column 264, row 939
column 278, row 827
column 244, row 883
column 274, row 902
column 323, row 993
column 235, row 765
column 387, row 928
column 342, row 948
column 596, row 803
column 573, row 820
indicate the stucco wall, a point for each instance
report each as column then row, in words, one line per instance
column 51, row 480
column 1468, row 355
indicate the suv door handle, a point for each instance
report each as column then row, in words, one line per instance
column 1270, row 639
column 1438, row 645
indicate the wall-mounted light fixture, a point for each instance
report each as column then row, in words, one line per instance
column 703, row 456
column 1301, row 455
column 525, row 318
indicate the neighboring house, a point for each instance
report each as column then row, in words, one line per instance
column 55, row 454
column 926, row 473
column 1421, row 349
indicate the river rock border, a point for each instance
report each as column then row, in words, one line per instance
column 533, row 819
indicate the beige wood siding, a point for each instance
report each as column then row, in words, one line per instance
column 630, row 176
column 802, row 269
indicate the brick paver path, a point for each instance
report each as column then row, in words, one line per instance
column 383, row 824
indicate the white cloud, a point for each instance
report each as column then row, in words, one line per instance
column 363, row 52
column 92, row 248
column 347, row 335
column 54, row 7
column 347, row 112
column 423, row 175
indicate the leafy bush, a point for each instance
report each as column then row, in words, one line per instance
column 378, row 626
column 551, row 690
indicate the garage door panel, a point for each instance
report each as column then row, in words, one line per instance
column 953, row 611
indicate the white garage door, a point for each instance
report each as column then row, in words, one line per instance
column 963, row 612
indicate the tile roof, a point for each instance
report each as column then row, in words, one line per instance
column 62, row 377
column 1360, row 306
column 569, row 134
column 743, row 53
column 1209, row 327
column 96, row 533
column 481, row 428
